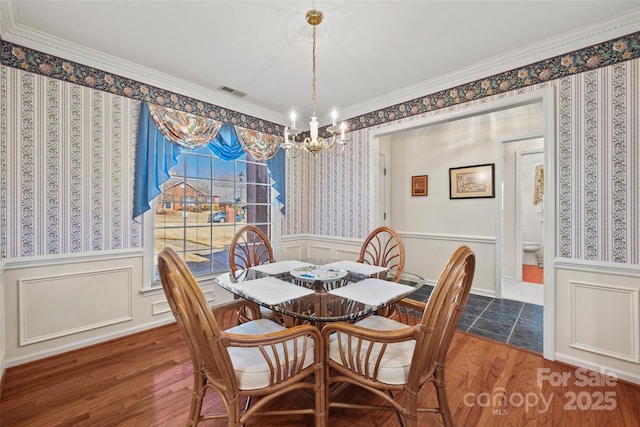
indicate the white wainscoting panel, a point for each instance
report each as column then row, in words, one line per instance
column 3, row 339
column 306, row 246
column 347, row 254
column 597, row 318
column 55, row 306
column 319, row 251
column 292, row 251
column 428, row 253
column 161, row 307
column 592, row 326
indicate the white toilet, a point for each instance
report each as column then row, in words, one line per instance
column 529, row 250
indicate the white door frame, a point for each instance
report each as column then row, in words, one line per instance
column 518, row 207
column 546, row 96
column 385, row 183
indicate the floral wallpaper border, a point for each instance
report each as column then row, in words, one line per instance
column 23, row 58
column 600, row 55
column 590, row 58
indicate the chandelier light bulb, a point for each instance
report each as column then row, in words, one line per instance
column 314, row 143
column 292, row 116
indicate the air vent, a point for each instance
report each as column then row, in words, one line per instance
column 232, row 91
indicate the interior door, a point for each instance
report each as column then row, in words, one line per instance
column 382, row 189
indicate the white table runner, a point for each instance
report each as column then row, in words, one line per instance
column 271, row 290
column 357, row 267
column 372, row 291
column 279, row 267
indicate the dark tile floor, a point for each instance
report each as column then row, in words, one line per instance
column 512, row 322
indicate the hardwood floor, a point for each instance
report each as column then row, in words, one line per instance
column 145, row 380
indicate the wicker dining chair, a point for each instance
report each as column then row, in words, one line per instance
column 250, row 246
column 259, row 358
column 386, row 356
column 383, row 247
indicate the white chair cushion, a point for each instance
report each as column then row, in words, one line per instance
column 395, row 364
column 252, row 371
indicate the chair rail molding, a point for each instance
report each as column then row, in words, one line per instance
column 304, row 246
column 491, row 240
column 318, row 237
column 601, row 267
column 73, row 258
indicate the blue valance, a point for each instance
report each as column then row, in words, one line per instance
column 163, row 135
column 226, row 144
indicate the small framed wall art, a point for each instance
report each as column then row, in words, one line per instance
column 470, row 182
column 420, row 185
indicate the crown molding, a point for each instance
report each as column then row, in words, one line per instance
column 7, row 17
column 13, row 32
column 619, row 26
column 10, row 31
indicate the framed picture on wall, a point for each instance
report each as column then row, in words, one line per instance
column 470, row 182
column 420, row 185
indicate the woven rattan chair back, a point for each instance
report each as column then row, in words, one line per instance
column 361, row 354
column 290, row 356
column 383, row 247
column 250, row 247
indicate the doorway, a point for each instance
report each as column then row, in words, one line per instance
column 489, row 278
column 522, row 220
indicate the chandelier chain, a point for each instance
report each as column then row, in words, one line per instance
column 313, row 81
column 314, row 143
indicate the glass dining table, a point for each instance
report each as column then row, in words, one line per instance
column 320, row 291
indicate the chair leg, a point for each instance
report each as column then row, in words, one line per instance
column 410, row 415
column 400, row 420
column 441, row 392
column 199, row 381
column 235, row 414
column 321, row 398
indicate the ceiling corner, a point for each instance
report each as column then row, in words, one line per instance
column 7, row 17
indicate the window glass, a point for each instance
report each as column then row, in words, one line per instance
column 205, row 202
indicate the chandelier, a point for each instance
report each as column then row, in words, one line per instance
column 313, row 144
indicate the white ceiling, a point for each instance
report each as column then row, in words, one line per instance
column 370, row 54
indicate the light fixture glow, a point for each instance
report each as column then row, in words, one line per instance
column 335, row 144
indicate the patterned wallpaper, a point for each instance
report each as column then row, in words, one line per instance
column 598, row 187
column 327, row 195
column 599, row 165
column 67, row 156
column 66, row 153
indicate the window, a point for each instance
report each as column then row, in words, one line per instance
column 205, row 202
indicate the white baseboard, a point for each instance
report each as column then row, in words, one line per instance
column 632, row 377
column 483, row 292
column 85, row 343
